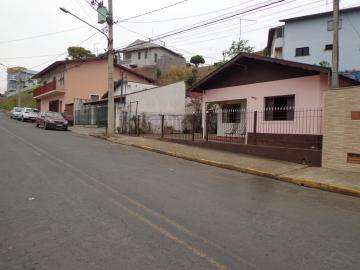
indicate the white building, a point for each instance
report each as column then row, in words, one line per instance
column 141, row 53
column 19, row 79
column 149, row 104
column 308, row 39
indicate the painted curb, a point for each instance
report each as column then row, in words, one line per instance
column 297, row 181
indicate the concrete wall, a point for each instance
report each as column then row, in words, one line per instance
column 165, row 99
column 132, row 87
column 341, row 134
column 169, row 100
column 313, row 33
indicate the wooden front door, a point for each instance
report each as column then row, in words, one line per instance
column 69, row 113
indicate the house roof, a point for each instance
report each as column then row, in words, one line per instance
column 103, row 101
column 62, row 62
column 243, row 57
column 322, row 14
column 139, row 45
column 117, row 84
column 59, row 63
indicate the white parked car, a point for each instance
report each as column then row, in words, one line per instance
column 15, row 112
column 28, row 114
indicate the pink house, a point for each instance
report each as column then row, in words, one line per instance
column 282, row 99
column 64, row 82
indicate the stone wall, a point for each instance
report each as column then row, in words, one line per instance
column 341, row 145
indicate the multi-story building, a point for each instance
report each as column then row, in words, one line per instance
column 66, row 82
column 19, row 79
column 308, row 39
column 141, row 53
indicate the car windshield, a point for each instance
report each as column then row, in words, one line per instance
column 53, row 115
column 35, row 110
column 17, row 109
column 28, row 110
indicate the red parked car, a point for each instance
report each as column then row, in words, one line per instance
column 51, row 120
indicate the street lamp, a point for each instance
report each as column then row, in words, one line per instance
column 72, row 14
column 109, row 37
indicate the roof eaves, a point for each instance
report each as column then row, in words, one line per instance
column 260, row 58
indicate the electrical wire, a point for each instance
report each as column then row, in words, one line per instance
column 193, row 16
column 28, row 57
column 41, row 35
column 185, row 38
column 213, row 21
column 202, row 24
column 152, row 11
column 64, row 52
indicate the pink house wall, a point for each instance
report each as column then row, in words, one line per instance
column 82, row 79
column 308, row 93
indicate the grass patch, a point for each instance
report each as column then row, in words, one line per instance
column 27, row 100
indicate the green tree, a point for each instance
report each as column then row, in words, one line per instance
column 241, row 46
column 191, row 78
column 324, row 63
column 197, row 60
column 79, row 53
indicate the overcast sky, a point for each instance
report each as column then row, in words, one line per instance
column 36, row 33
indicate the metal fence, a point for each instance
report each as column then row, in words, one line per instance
column 281, row 126
column 91, row 116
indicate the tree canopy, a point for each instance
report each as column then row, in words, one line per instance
column 238, row 47
column 197, row 60
column 79, row 53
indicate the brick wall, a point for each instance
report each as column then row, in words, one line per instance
column 341, row 140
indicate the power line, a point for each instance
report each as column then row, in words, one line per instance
column 152, row 11
column 28, row 57
column 83, row 9
column 182, row 38
column 213, row 21
column 64, row 52
column 193, row 16
column 207, row 22
column 41, row 35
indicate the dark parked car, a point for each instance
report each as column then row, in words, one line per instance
column 51, row 120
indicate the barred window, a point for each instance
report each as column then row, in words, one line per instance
column 231, row 113
column 279, row 108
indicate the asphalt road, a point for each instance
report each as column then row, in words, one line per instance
column 73, row 202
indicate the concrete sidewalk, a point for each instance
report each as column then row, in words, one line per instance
column 313, row 177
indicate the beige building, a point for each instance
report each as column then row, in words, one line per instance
column 142, row 53
column 64, row 82
column 341, row 147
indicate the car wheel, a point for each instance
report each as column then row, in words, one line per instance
column 65, row 129
column 45, row 126
column 37, row 125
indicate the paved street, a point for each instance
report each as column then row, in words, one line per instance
column 74, row 202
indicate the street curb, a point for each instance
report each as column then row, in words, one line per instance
column 297, row 181
column 323, row 186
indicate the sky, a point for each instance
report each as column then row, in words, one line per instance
column 36, row 33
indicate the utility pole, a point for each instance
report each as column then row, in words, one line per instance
column 110, row 110
column 335, row 49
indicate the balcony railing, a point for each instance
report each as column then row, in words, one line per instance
column 44, row 89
